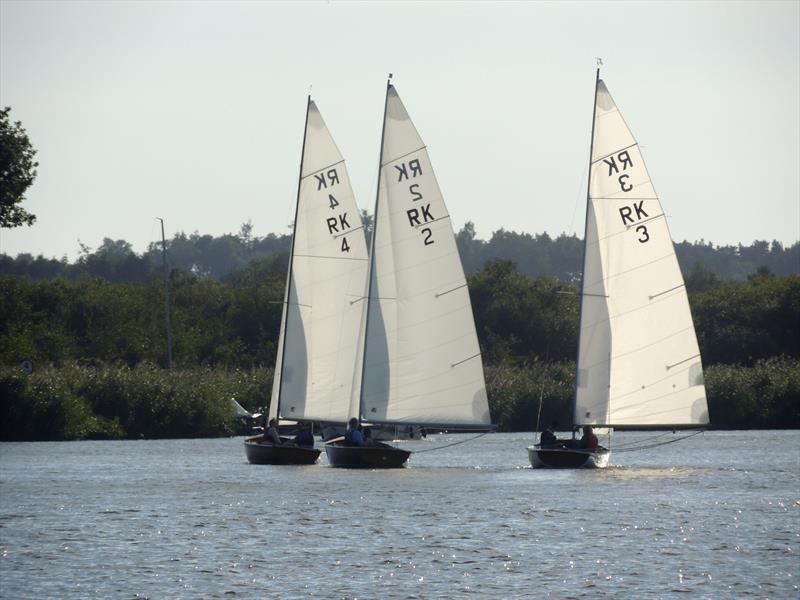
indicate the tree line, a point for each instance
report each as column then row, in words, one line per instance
column 206, row 256
column 79, row 334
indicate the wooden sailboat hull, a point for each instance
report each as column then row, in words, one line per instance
column 265, row 453
column 377, row 456
column 568, row 458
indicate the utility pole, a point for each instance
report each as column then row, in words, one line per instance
column 166, row 295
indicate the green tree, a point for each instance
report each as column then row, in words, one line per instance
column 700, row 278
column 520, row 318
column 17, row 172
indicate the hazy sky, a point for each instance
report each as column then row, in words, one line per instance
column 193, row 112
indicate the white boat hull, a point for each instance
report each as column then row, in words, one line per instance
column 568, row 458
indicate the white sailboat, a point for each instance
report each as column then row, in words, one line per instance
column 639, row 364
column 421, row 360
column 318, row 344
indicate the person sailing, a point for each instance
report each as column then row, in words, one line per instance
column 589, row 439
column 271, row 433
column 548, row 437
column 353, row 436
column 304, row 437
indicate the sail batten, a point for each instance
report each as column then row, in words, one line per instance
column 321, row 169
column 636, row 320
column 420, row 334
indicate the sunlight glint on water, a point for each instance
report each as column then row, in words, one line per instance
column 714, row 516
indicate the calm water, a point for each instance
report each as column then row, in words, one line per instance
column 715, row 516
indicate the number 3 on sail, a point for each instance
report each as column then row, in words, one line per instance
column 638, row 359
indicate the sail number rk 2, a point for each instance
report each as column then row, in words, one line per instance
column 416, row 216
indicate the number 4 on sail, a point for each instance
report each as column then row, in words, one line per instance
column 639, row 364
column 318, row 343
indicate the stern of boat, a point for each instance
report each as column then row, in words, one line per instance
column 378, row 456
column 264, row 453
column 568, row 458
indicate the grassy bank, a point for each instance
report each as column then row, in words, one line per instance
column 117, row 402
column 79, row 401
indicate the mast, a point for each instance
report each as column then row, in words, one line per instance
column 284, row 317
column 372, row 251
column 585, row 232
column 166, row 295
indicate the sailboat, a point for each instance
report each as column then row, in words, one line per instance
column 321, row 318
column 639, row 364
column 421, row 363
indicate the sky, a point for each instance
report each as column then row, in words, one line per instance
column 193, row 112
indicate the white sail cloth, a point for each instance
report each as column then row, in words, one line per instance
column 422, row 360
column 638, row 361
column 318, row 345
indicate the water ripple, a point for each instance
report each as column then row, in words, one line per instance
column 128, row 520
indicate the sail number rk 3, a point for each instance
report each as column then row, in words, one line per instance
column 635, row 212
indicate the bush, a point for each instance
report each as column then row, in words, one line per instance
column 514, row 393
column 766, row 395
column 115, row 401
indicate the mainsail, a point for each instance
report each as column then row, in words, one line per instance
column 638, row 360
column 322, row 315
column 422, row 362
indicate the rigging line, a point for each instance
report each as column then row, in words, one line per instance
column 637, row 223
column 682, row 361
column 615, row 152
column 448, row 291
column 660, row 443
column 625, row 312
column 433, row 221
column 433, row 391
column 338, row 162
column 541, row 388
column 373, row 297
column 677, row 287
column 329, row 257
column 612, row 234
column 337, row 236
column 465, row 360
column 579, row 197
column 639, row 349
column 453, row 444
column 388, row 162
column 289, row 303
column 632, row 269
column 637, row 443
column 616, row 196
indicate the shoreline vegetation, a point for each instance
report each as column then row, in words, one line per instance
column 112, row 402
column 99, row 350
column 93, row 401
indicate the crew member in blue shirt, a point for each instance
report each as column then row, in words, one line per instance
column 304, row 437
column 353, row 435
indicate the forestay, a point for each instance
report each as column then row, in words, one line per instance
column 422, row 362
column 638, row 361
column 318, row 344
